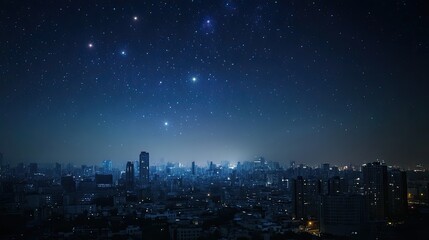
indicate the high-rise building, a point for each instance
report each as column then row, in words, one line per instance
column 136, row 168
column 427, row 192
column 397, row 194
column 306, row 197
column 344, row 215
column 325, row 170
column 336, row 185
column 193, row 168
column 68, row 183
column 58, row 169
column 129, row 175
column 107, row 166
column 375, row 186
column 144, row 168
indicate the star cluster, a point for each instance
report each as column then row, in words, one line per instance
column 308, row 81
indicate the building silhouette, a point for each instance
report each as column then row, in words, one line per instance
column 58, row 169
column 32, row 168
column 375, row 186
column 337, row 185
column 144, row 168
column 129, row 175
column 344, row 215
column 193, row 168
column 68, row 183
column 107, row 166
column 397, row 194
column 104, row 180
column 306, row 197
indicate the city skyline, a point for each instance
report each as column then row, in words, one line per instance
column 199, row 81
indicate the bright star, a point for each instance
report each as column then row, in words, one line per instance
column 90, row 45
column 123, row 53
column 208, row 25
column 135, row 18
column 166, row 124
column 194, row 79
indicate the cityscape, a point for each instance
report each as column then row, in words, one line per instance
column 214, row 119
column 255, row 199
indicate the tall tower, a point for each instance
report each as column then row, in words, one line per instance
column 306, row 197
column 193, row 168
column 375, row 186
column 397, row 202
column 144, row 168
column 129, row 175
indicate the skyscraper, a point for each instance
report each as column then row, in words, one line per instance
column 107, row 166
column 397, row 195
column 375, row 186
column 325, row 170
column 129, row 175
column 193, row 168
column 144, row 168
column 306, row 197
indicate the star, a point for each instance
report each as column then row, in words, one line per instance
column 135, row 18
column 90, row 45
column 123, row 53
column 166, row 124
column 208, row 25
column 194, row 79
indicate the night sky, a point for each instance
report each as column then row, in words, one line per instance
column 306, row 81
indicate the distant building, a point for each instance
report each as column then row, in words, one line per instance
column 68, row 184
column 193, row 168
column 107, row 166
column 88, row 171
column 397, row 194
column 57, row 169
column 344, row 215
column 325, row 170
column 375, row 186
column 188, row 232
column 104, row 180
column 144, row 168
column 337, row 185
column 129, row 175
column 306, row 197
column 427, row 192
column 32, row 168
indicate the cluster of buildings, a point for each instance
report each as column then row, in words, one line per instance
column 357, row 203
column 256, row 199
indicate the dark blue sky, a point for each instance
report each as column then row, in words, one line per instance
column 308, row 81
